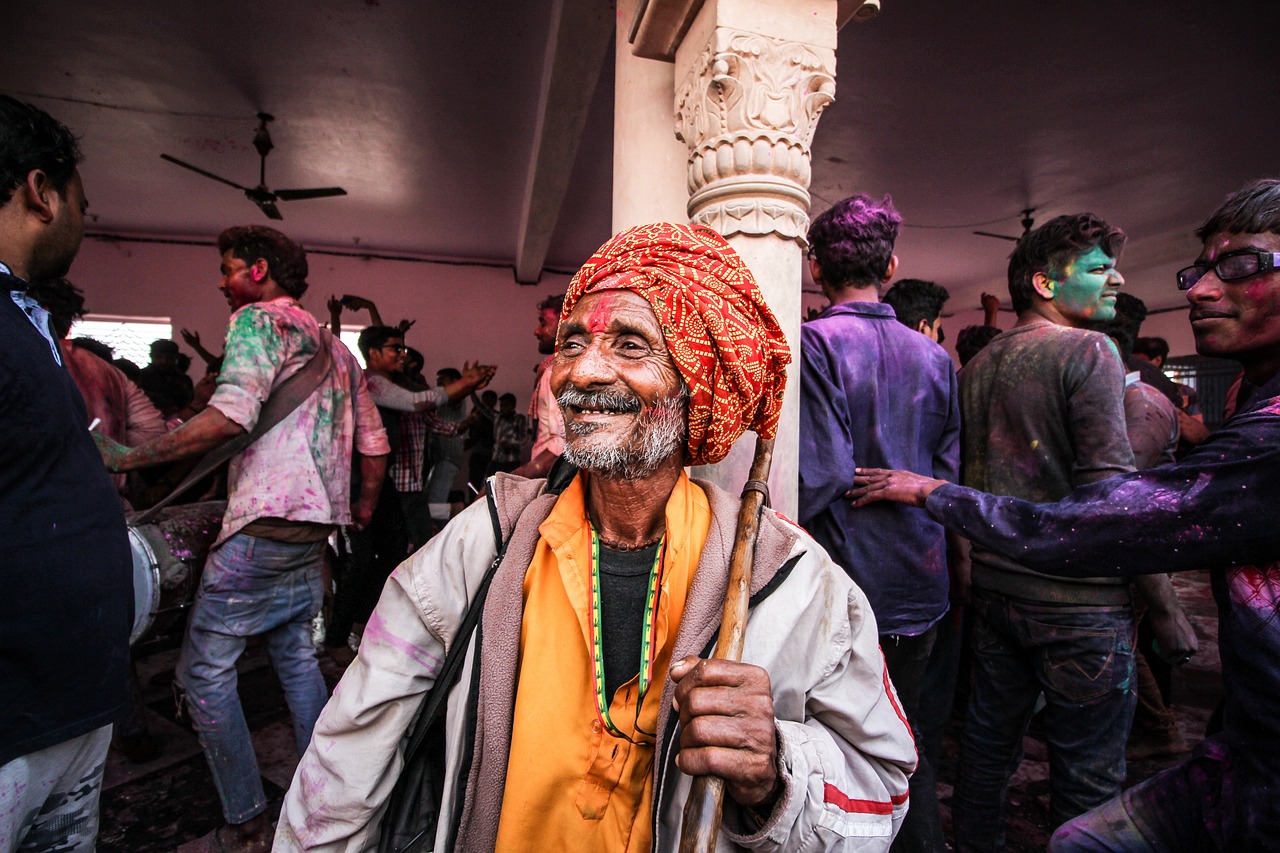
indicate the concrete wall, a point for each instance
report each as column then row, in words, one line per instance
column 464, row 313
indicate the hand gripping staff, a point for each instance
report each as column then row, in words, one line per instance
column 702, row 811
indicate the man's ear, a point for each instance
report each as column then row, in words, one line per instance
column 815, row 270
column 1042, row 285
column 890, row 269
column 923, row 327
column 260, row 271
column 40, row 196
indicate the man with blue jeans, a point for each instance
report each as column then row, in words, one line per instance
column 1043, row 412
column 286, row 492
column 1212, row 510
column 874, row 389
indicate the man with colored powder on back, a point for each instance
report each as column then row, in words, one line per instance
column 1212, row 510
column 66, row 597
column 586, row 707
column 875, row 389
column 1043, row 411
column 286, row 493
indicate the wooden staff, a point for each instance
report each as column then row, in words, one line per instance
column 706, row 796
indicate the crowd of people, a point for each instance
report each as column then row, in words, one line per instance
column 541, row 602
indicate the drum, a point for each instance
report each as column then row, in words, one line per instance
column 168, row 557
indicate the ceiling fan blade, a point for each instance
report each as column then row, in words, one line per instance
column 175, row 161
column 997, row 236
column 318, row 192
column 265, row 202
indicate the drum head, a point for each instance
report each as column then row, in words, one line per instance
column 146, row 583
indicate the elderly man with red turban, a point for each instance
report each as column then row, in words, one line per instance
column 585, row 703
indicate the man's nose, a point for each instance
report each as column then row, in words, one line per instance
column 1115, row 279
column 1208, row 288
column 592, row 367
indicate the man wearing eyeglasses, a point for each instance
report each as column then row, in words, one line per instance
column 1213, row 510
column 380, row 546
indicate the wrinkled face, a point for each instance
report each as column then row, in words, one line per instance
column 1237, row 319
column 388, row 358
column 242, row 284
column 545, row 331
column 624, row 404
column 1085, row 292
column 60, row 241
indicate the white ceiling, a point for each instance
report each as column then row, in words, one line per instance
column 1144, row 111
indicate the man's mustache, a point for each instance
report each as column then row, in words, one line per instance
column 611, row 401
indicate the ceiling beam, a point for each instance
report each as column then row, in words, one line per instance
column 576, row 48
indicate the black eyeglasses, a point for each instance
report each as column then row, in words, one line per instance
column 1232, row 267
column 399, row 349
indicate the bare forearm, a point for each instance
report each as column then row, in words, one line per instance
column 538, row 466
column 373, row 470
column 196, row 437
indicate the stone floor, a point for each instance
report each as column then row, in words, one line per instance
column 154, row 807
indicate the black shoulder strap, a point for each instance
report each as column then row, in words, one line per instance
column 452, row 666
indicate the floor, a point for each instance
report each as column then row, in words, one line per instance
column 154, row 807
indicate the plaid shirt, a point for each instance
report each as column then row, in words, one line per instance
column 409, row 464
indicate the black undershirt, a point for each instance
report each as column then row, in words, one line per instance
column 624, row 585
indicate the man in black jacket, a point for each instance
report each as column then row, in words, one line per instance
column 66, row 600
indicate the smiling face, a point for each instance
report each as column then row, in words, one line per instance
column 390, row 358
column 1085, row 292
column 1238, row 319
column 242, row 284
column 623, row 399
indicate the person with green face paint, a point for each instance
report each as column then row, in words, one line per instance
column 1043, row 412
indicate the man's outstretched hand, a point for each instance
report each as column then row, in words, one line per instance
column 880, row 484
column 727, row 728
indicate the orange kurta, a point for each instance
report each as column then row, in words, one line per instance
column 570, row 784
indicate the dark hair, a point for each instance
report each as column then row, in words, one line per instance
column 1131, row 311
column 164, row 345
column 413, row 360
column 554, row 302
column 972, row 339
column 1118, row 331
column 32, row 139
column 96, row 347
column 508, row 398
column 1253, row 209
column 1151, row 347
column 376, row 337
column 449, row 374
column 853, row 239
column 62, row 299
column 914, row 299
column 1052, row 247
column 489, row 395
column 286, row 260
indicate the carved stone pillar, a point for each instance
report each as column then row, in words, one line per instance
column 753, row 77
column 747, row 110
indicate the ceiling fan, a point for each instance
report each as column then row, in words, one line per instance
column 1027, row 224
column 260, row 195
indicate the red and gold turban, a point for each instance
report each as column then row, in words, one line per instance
column 722, row 336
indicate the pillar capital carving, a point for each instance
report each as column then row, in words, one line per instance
column 748, row 109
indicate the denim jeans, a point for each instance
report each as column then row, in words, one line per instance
column 251, row 586
column 1081, row 658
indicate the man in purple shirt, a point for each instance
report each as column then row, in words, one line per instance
column 872, row 388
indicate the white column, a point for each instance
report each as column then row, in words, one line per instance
column 649, row 161
column 753, row 77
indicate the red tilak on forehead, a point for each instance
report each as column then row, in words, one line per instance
column 602, row 311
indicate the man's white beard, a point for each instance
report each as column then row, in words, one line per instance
column 657, row 434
